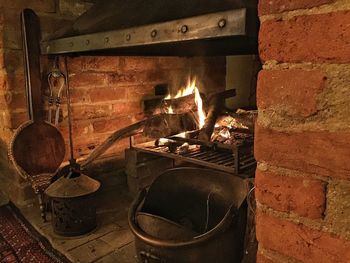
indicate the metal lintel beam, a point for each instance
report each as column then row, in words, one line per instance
column 209, row 26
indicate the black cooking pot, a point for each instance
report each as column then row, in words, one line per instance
column 209, row 203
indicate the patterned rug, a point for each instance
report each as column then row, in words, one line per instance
column 20, row 243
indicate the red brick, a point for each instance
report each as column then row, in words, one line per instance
column 15, row 119
column 313, row 38
column 3, row 81
column 95, row 63
column 301, row 242
column 86, row 112
column 13, row 101
column 320, row 152
column 79, row 128
column 83, row 145
column 47, row 6
column 81, row 80
column 138, row 63
column 137, row 93
column 278, row 6
column 260, row 258
column 13, row 61
column 305, row 197
column 140, row 78
column 107, row 94
column 80, row 95
column 293, row 92
column 16, row 82
column 111, row 125
column 123, row 108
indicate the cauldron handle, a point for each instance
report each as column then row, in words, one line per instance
column 135, row 206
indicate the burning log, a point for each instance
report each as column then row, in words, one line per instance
column 164, row 125
column 181, row 105
column 216, row 104
column 177, row 105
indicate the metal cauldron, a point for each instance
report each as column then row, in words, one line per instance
column 208, row 208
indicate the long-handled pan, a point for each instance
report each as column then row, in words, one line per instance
column 37, row 146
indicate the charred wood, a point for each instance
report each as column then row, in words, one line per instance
column 179, row 105
column 164, row 125
column 216, row 104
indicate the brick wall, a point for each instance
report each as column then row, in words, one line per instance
column 106, row 91
column 303, row 132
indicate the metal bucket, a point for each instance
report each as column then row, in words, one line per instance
column 73, row 205
column 206, row 202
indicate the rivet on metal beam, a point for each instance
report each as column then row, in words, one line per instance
column 184, row 29
column 106, row 40
column 222, row 23
column 128, row 37
column 87, row 42
column 154, row 33
column 71, row 44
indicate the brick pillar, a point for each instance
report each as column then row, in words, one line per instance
column 303, row 132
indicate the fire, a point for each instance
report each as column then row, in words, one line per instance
column 201, row 113
column 191, row 88
column 170, row 110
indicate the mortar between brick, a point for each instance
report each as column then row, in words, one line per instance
column 333, row 103
column 339, row 5
column 275, row 256
column 316, row 224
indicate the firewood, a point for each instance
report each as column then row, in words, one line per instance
column 157, row 126
column 120, row 134
column 164, row 125
column 216, row 104
column 179, row 105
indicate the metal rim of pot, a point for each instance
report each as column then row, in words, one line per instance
column 137, row 231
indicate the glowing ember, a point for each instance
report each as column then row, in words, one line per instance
column 191, row 88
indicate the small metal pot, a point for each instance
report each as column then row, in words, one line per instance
column 223, row 239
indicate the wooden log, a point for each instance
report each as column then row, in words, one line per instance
column 164, row 125
column 120, row 134
column 157, row 126
column 216, row 104
column 179, row 105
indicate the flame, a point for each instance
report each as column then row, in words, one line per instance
column 170, row 110
column 182, row 135
column 191, row 88
column 201, row 113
